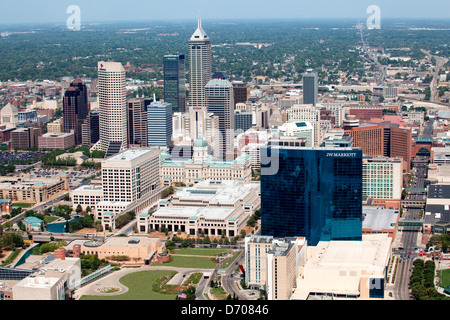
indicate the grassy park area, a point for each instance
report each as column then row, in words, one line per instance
column 142, row 285
column 445, row 277
column 201, row 251
column 22, row 204
column 189, row 262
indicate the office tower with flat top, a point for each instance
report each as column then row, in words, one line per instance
column 112, row 103
column 310, row 87
column 174, row 82
column 220, row 101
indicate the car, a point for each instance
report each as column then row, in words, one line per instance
column 401, row 248
column 409, row 252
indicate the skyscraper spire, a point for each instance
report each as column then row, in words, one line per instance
column 199, row 66
column 199, row 19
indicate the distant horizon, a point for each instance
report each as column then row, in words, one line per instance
column 112, row 11
column 240, row 20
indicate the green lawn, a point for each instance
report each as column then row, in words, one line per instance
column 140, row 285
column 445, row 277
column 201, row 251
column 189, row 262
column 50, row 219
column 22, row 205
column 13, row 255
column 219, row 293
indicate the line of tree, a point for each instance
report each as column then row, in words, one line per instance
column 124, row 219
column 422, row 281
column 254, row 218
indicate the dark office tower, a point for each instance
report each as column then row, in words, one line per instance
column 241, row 92
column 174, row 82
column 220, row 101
column 310, row 87
column 90, row 129
column 199, row 66
column 137, row 122
column 311, row 192
column 75, row 108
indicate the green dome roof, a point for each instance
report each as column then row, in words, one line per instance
column 200, row 143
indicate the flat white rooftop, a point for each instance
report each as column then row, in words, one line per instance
column 226, row 191
column 376, row 218
column 130, row 154
column 190, row 212
column 90, row 187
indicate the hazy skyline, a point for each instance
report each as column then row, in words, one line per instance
column 54, row 11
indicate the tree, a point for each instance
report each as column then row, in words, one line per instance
column 79, row 209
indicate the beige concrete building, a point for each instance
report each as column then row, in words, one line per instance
column 203, row 167
column 61, row 141
column 345, row 269
column 272, row 264
column 130, row 182
column 139, row 249
column 56, row 126
column 49, row 281
column 307, row 113
column 112, row 107
column 33, row 190
column 9, row 116
column 382, row 177
column 208, row 208
column 86, row 196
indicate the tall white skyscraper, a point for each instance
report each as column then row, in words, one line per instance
column 112, row 108
column 220, row 101
column 199, row 66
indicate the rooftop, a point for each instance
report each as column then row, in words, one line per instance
column 378, row 218
column 131, row 154
column 438, row 191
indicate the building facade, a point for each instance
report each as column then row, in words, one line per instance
column 112, row 108
column 137, row 122
column 199, row 66
column 75, row 108
column 159, row 124
column 310, row 87
column 312, row 192
column 220, row 101
column 175, row 82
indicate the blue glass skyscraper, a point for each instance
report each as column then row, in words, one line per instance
column 311, row 192
column 174, row 82
column 159, row 124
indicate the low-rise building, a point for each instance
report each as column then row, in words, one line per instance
column 61, row 141
column 33, row 190
column 203, row 167
column 137, row 249
column 271, row 264
column 210, row 208
column 345, row 269
column 45, row 277
column 380, row 220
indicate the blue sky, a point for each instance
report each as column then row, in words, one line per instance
column 54, row 11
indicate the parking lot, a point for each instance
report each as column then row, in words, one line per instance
column 76, row 176
column 18, row 157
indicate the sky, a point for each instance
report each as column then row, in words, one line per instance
column 55, row 11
